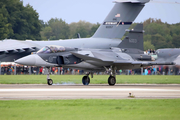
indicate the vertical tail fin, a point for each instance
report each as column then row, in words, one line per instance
column 134, row 38
column 119, row 19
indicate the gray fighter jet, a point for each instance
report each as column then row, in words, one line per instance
column 128, row 55
column 108, row 34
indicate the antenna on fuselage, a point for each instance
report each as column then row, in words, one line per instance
column 78, row 35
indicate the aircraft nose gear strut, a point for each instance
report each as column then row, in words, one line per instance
column 49, row 80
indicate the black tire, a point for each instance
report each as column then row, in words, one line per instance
column 49, row 81
column 85, row 80
column 111, row 80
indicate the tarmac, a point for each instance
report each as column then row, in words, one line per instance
column 92, row 91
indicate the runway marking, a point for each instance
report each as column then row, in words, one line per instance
column 84, row 89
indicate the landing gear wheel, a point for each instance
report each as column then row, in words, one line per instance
column 49, row 81
column 85, row 80
column 111, row 80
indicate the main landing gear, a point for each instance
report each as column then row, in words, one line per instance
column 49, row 80
column 86, row 79
column 111, row 79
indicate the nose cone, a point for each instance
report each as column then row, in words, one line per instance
column 28, row 60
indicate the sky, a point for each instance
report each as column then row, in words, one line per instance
column 94, row 11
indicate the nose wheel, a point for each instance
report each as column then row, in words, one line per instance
column 49, row 81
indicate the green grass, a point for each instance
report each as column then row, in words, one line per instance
column 91, row 109
column 98, row 79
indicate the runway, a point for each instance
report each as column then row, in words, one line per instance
column 77, row 91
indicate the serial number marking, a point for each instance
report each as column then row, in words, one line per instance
column 109, row 26
column 133, row 40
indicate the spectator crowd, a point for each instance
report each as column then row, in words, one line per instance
column 150, row 52
column 25, row 70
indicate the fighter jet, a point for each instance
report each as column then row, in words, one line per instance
column 107, row 35
column 128, row 55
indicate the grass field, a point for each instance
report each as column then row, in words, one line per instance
column 98, row 79
column 129, row 109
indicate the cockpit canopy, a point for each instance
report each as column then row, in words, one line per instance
column 52, row 49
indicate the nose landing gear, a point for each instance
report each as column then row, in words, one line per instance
column 49, row 80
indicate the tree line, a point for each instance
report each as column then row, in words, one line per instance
column 18, row 22
column 22, row 22
column 56, row 29
column 161, row 35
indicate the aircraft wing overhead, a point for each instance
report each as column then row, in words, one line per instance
column 14, row 45
column 13, row 49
